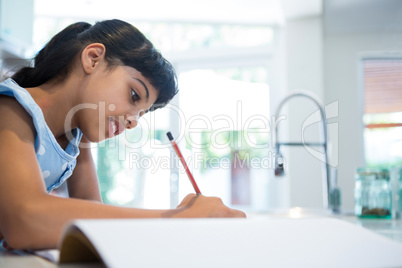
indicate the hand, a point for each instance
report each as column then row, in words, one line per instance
column 199, row 206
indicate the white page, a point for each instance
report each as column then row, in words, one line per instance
column 310, row 242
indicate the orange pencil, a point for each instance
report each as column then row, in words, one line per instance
column 177, row 150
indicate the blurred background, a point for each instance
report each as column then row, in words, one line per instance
column 235, row 61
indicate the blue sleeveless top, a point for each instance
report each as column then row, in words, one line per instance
column 56, row 164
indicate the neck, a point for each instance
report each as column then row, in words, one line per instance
column 56, row 101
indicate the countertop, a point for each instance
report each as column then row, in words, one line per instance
column 391, row 228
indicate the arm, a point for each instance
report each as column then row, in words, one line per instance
column 31, row 218
column 83, row 183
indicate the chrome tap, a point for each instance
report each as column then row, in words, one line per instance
column 331, row 193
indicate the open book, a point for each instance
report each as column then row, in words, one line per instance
column 309, row 242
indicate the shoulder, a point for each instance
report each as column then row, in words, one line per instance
column 15, row 120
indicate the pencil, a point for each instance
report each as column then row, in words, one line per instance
column 177, row 150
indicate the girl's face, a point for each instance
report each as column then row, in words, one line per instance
column 113, row 100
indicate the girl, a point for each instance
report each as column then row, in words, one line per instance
column 52, row 110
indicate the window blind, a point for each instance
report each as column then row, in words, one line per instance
column 383, row 85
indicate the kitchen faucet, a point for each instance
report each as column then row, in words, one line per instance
column 331, row 193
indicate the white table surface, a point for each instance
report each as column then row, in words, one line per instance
column 391, row 228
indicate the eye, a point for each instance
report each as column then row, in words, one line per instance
column 134, row 96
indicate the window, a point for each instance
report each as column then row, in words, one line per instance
column 383, row 112
column 227, row 114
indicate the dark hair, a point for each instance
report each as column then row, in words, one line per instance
column 125, row 45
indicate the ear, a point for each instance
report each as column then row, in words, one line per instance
column 92, row 56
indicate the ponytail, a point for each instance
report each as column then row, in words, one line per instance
column 55, row 59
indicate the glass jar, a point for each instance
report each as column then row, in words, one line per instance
column 373, row 195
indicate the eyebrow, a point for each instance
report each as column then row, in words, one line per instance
column 146, row 89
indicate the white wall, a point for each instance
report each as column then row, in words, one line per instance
column 16, row 28
column 304, row 50
column 341, row 56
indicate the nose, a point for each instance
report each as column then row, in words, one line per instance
column 131, row 121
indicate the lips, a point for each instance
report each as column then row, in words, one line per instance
column 115, row 128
